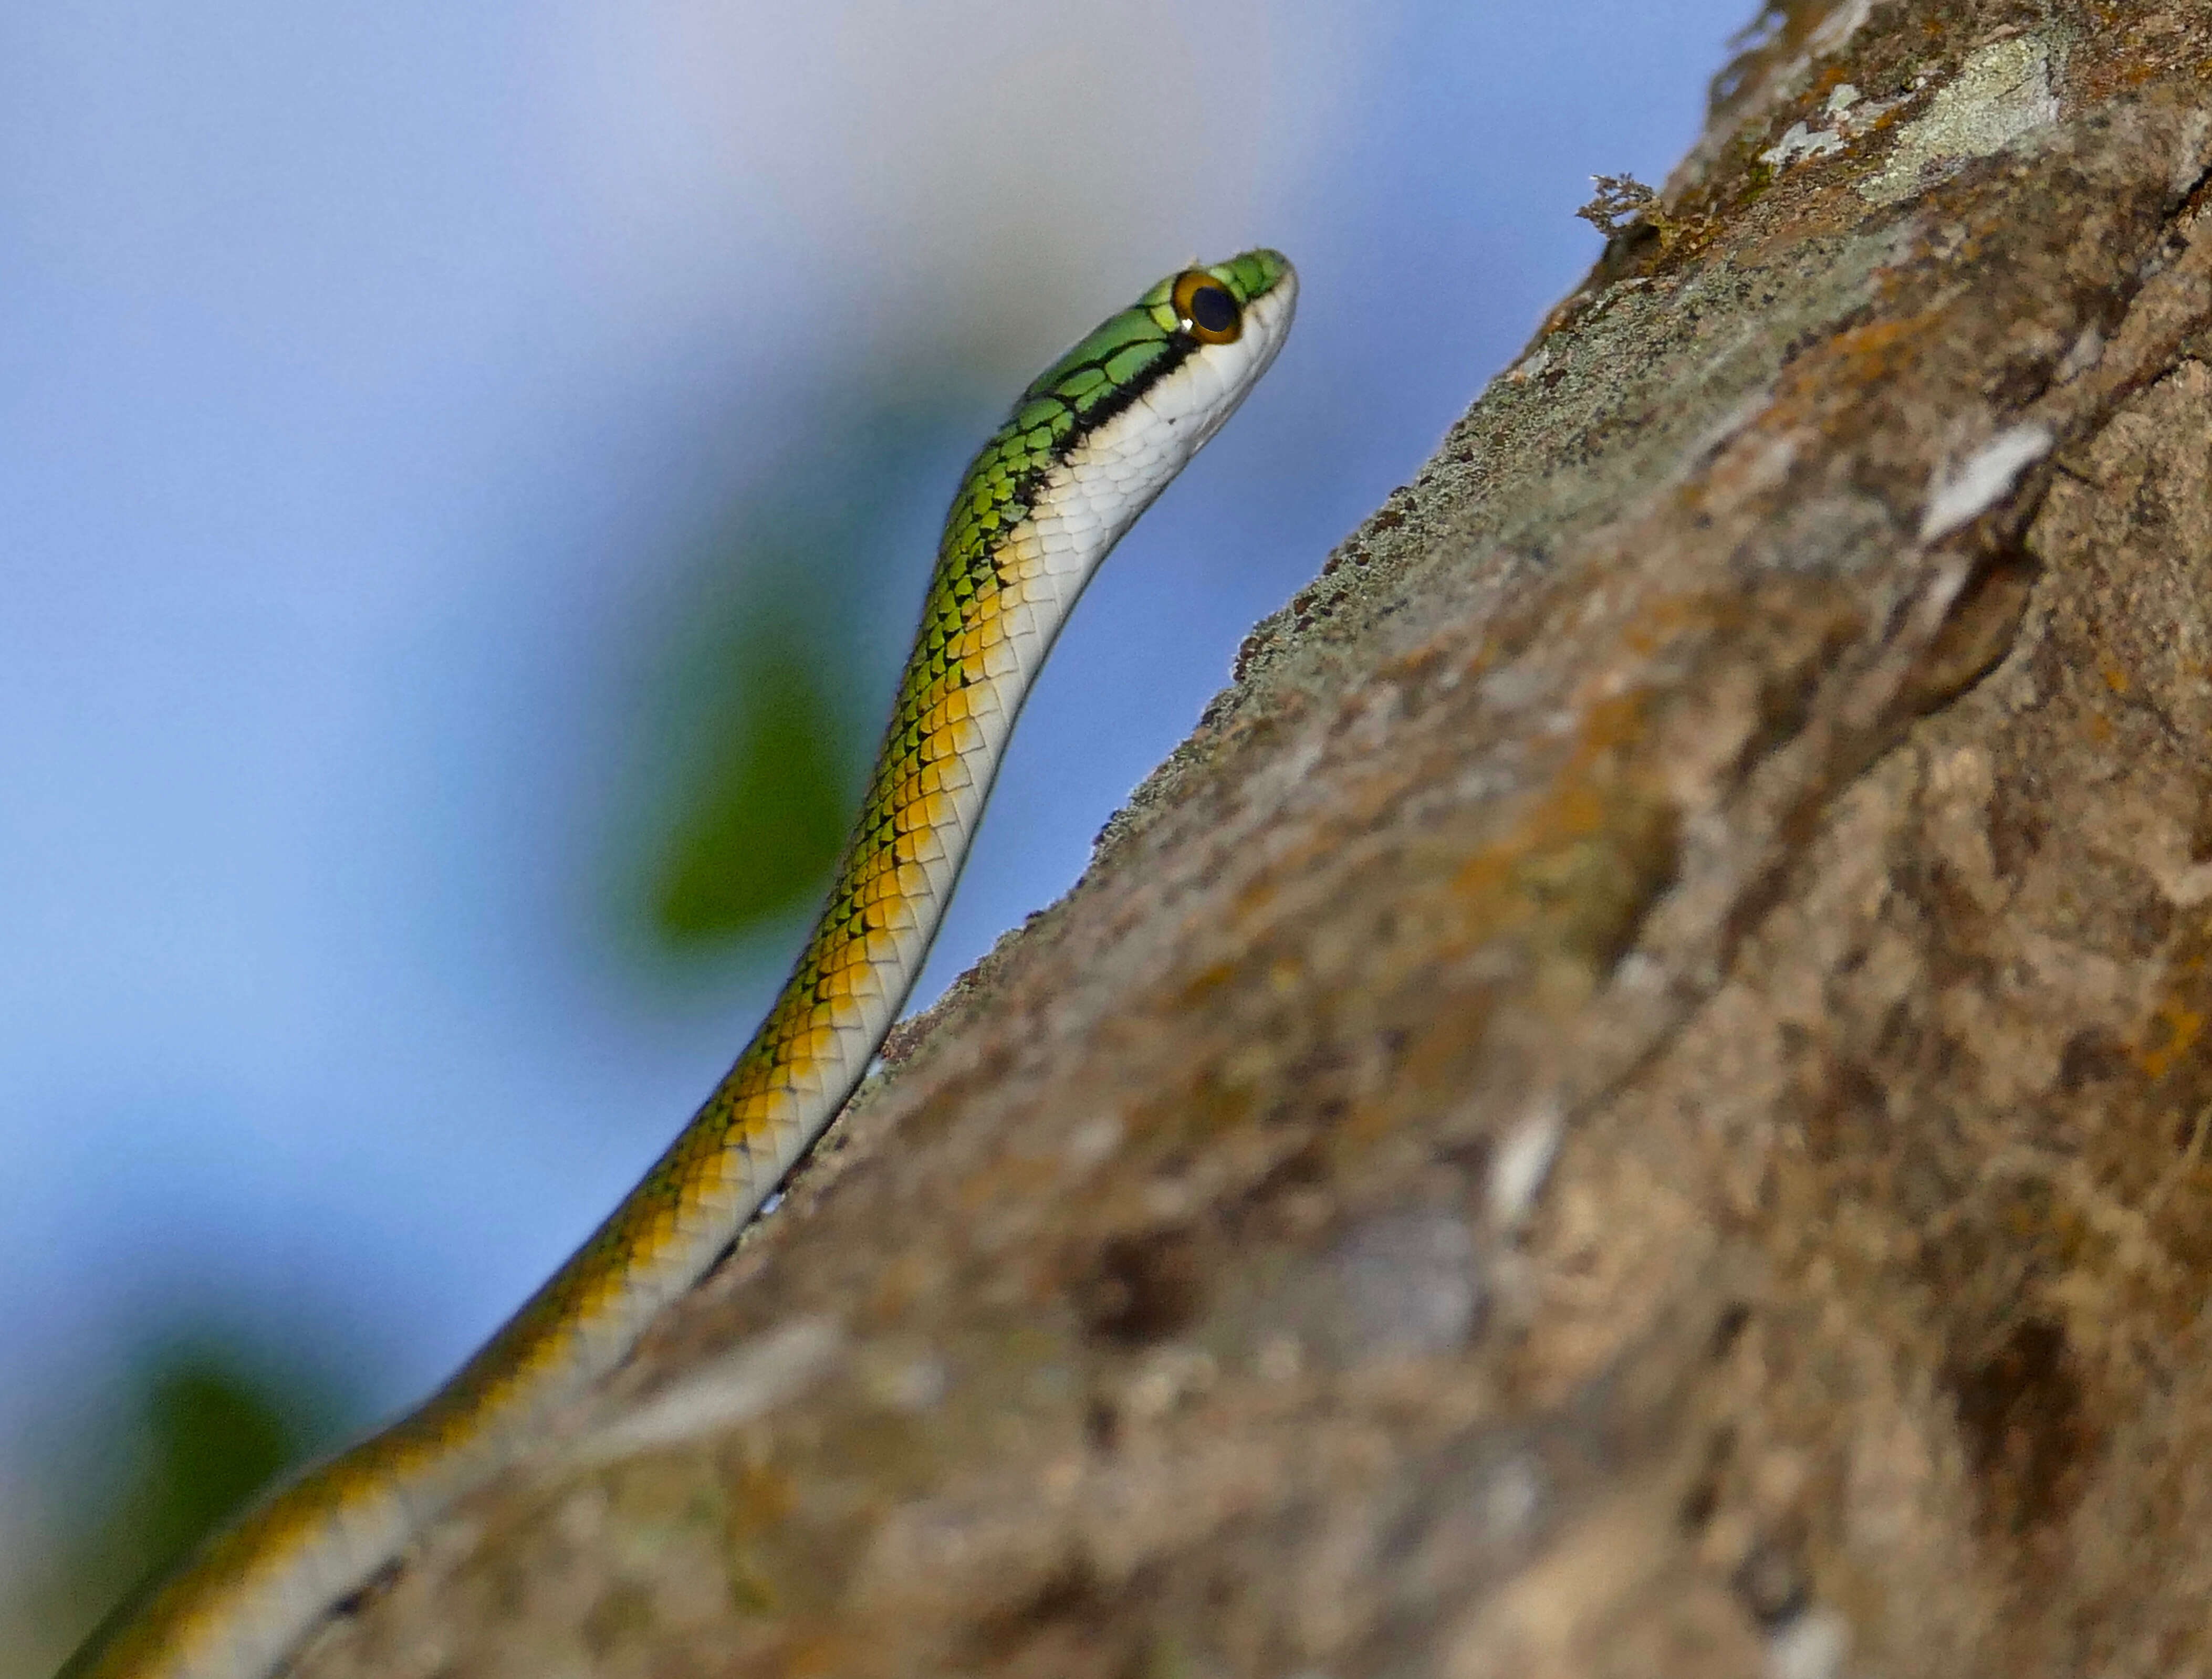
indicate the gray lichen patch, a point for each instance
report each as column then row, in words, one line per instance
column 1846, row 114
column 2002, row 94
column 1799, row 141
column 1779, row 54
column 1644, row 384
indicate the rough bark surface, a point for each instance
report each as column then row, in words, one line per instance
column 1634, row 1101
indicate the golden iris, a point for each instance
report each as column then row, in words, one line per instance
column 1207, row 309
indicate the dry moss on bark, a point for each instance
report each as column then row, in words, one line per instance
column 1635, row 1100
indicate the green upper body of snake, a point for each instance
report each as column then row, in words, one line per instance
column 1097, row 436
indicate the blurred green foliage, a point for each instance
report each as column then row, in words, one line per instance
column 202, row 1424
column 768, row 677
column 214, row 1432
column 759, row 821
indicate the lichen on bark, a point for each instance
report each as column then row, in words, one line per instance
column 1635, row 1099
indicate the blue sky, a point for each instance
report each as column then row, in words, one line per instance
column 373, row 379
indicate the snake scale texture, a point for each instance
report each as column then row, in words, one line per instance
column 1090, row 445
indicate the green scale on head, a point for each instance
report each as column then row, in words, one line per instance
column 1099, row 376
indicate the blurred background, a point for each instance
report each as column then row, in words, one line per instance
column 467, row 472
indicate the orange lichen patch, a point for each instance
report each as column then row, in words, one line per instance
column 2116, row 677
column 762, row 1508
column 1203, row 985
column 1574, row 874
column 1252, row 898
column 1620, row 719
column 1424, row 661
column 1829, row 375
column 1215, row 1101
column 896, row 1288
column 819, row 1651
column 2174, row 1029
column 1009, row 1180
column 1877, row 351
column 1662, row 623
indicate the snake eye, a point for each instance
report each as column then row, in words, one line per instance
column 1205, row 308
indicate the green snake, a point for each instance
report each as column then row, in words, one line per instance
column 1089, row 445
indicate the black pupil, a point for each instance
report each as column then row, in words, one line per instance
column 1212, row 309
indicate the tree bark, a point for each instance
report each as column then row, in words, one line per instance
column 1634, row 1100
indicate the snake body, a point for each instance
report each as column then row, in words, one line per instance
column 1089, row 445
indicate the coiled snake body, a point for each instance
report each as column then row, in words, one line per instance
column 1097, row 435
